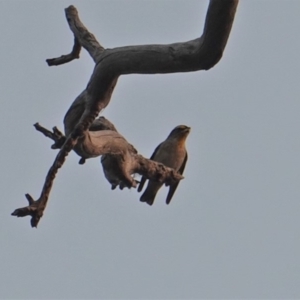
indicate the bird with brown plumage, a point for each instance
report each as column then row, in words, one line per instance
column 172, row 153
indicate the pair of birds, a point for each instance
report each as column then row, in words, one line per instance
column 172, row 153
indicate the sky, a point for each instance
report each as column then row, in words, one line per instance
column 232, row 229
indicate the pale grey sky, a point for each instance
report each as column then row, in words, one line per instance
column 233, row 227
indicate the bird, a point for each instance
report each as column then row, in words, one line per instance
column 173, row 154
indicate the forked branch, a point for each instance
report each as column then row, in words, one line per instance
column 199, row 54
column 120, row 159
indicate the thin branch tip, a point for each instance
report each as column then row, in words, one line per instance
column 30, row 199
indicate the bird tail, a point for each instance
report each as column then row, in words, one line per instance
column 150, row 193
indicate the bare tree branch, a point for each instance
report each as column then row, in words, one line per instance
column 66, row 58
column 119, row 161
column 113, row 147
column 57, row 136
column 199, row 54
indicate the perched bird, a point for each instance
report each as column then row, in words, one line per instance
column 172, row 153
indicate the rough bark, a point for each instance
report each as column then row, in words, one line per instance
column 199, row 54
column 119, row 159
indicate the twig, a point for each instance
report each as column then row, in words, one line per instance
column 57, row 136
column 66, row 58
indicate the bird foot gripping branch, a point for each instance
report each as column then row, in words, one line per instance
column 198, row 54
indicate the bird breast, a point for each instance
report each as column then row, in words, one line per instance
column 171, row 154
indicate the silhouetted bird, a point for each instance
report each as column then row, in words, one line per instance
column 172, row 153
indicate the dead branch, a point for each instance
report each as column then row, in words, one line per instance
column 56, row 135
column 199, row 54
column 119, row 159
column 68, row 57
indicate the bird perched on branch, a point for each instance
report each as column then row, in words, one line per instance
column 172, row 153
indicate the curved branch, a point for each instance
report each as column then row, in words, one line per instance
column 66, row 58
column 199, row 54
column 86, row 39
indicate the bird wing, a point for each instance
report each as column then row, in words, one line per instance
column 143, row 179
column 173, row 187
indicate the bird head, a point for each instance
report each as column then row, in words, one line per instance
column 180, row 131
